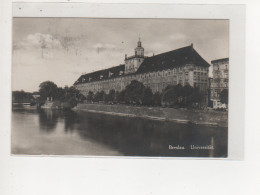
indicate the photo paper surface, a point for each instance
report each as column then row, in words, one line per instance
column 120, row 87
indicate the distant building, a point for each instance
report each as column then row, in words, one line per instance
column 36, row 95
column 181, row 66
column 220, row 81
column 210, row 102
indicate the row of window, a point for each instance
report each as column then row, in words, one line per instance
column 217, row 85
column 220, row 67
column 201, row 73
column 153, row 86
column 200, row 68
column 154, row 74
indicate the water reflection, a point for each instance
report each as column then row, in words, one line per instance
column 135, row 136
column 71, row 119
column 142, row 137
column 48, row 120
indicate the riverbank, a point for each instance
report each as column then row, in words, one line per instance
column 200, row 117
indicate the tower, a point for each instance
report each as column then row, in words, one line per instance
column 139, row 50
column 132, row 63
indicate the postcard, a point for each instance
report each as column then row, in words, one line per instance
column 121, row 86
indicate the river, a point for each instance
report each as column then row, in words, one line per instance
column 57, row 132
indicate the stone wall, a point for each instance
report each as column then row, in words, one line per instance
column 205, row 117
column 157, row 81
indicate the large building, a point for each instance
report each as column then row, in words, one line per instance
column 219, row 81
column 181, row 66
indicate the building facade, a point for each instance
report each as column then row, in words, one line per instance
column 181, row 66
column 132, row 63
column 219, row 81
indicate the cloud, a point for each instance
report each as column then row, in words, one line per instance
column 48, row 45
column 100, row 47
column 73, row 46
column 38, row 41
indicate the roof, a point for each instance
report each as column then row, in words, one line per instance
column 172, row 59
column 220, row 60
column 102, row 74
column 167, row 60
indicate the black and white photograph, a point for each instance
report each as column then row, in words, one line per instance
column 106, row 97
column 120, row 87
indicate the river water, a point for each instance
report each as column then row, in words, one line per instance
column 56, row 132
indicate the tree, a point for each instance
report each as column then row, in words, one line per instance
column 134, row 92
column 61, row 93
column 180, row 96
column 106, row 98
column 147, row 96
column 171, row 95
column 120, row 96
column 157, row 99
column 81, row 98
column 112, row 95
column 90, row 96
column 224, row 96
column 71, row 96
column 96, row 97
column 48, row 89
column 22, row 97
column 99, row 96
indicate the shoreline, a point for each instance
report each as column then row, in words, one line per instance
column 197, row 117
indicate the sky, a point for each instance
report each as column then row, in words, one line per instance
column 62, row 49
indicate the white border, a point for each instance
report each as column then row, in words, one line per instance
column 41, row 176
column 235, row 13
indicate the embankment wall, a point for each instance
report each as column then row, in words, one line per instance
column 203, row 117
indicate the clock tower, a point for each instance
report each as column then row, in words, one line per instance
column 132, row 63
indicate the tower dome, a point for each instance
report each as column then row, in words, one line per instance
column 132, row 63
column 139, row 50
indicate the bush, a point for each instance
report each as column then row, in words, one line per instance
column 179, row 96
column 90, row 96
column 157, row 99
column 136, row 93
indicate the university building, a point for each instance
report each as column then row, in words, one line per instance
column 219, row 81
column 181, row 66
